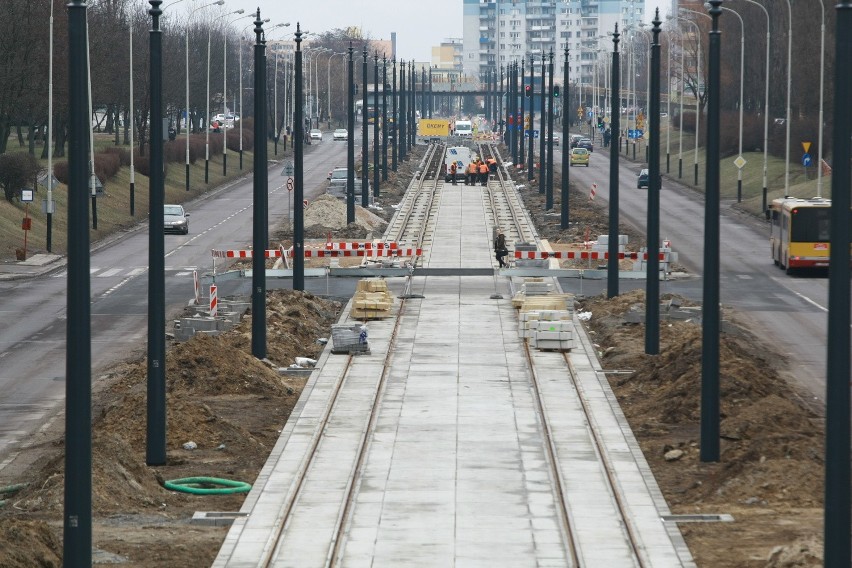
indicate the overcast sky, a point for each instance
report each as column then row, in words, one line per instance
column 419, row 24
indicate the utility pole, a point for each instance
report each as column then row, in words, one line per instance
column 614, row 149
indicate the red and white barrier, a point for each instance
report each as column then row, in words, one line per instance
column 197, row 287
column 361, row 252
column 313, row 253
column 360, row 246
column 214, row 301
column 270, row 253
column 585, row 255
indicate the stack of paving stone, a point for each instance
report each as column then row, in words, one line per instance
column 372, row 299
column 229, row 314
column 349, row 338
column 547, row 329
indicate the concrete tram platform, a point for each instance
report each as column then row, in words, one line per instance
column 457, row 469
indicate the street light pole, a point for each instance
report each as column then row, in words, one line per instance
column 710, row 322
column 225, row 99
column 742, row 77
column 385, row 117
column 821, row 95
column 697, row 89
column 207, row 102
column 766, row 108
column 186, row 157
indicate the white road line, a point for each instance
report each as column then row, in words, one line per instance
column 110, row 272
column 137, row 271
column 808, row 300
column 183, row 273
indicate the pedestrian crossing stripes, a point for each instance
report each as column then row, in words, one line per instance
column 126, row 272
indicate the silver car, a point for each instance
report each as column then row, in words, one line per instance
column 316, row 134
column 341, row 134
column 174, row 220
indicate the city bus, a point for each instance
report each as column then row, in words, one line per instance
column 800, row 232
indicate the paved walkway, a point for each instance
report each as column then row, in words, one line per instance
column 457, row 468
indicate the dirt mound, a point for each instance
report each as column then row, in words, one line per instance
column 330, row 212
column 770, row 475
column 228, row 403
column 39, row 548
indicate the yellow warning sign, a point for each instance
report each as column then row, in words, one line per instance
column 431, row 127
column 806, row 146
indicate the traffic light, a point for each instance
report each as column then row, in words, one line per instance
column 556, row 92
column 528, row 91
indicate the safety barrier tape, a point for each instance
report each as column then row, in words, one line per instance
column 585, row 255
column 357, row 246
column 312, row 253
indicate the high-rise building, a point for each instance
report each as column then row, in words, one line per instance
column 498, row 32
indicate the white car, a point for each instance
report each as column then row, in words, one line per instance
column 316, row 134
column 341, row 134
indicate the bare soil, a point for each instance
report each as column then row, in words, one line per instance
column 233, row 407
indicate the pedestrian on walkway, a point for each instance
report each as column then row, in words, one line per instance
column 500, row 250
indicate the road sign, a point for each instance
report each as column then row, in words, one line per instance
column 288, row 169
column 527, row 133
column 305, row 202
column 27, row 195
column 806, row 160
column 289, row 184
column 806, row 146
column 740, row 162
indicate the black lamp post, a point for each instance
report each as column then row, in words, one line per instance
column 365, row 148
column 517, row 118
column 385, row 128
column 542, row 132
column 77, row 505
column 156, row 402
column 531, row 149
column 259, row 190
column 376, row 124
column 402, row 118
column 523, row 118
column 710, row 306
column 412, row 115
column 350, row 140
column 652, row 280
column 837, row 477
column 614, row 149
column 566, row 166
column 298, row 167
column 394, row 117
column 548, row 201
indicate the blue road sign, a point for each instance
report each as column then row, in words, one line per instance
column 527, row 133
column 806, row 160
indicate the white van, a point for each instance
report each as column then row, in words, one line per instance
column 461, row 156
column 463, row 128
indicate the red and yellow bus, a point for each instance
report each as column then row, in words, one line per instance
column 800, row 232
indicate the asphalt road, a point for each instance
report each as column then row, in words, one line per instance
column 787, row 311
column 32, row 340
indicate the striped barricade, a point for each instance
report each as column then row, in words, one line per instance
column 270, row 253
column 315, row 253
column 309, row 253
column 361, row 246
column 583, row 255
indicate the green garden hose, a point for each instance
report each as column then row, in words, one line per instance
column 207, row 486
column 10, row 489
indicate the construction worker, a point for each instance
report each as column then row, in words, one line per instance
column 492, row 165
column 453, row 169
column 472, row 170
column 483, row 173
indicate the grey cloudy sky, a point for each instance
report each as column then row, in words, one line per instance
column 418, row 24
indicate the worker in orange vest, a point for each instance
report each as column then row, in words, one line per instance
column 483, row 173
column 453, row 169
column 472, row 170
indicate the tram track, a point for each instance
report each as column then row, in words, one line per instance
column 411, row 225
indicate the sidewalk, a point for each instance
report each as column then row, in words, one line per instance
column 36, row 265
